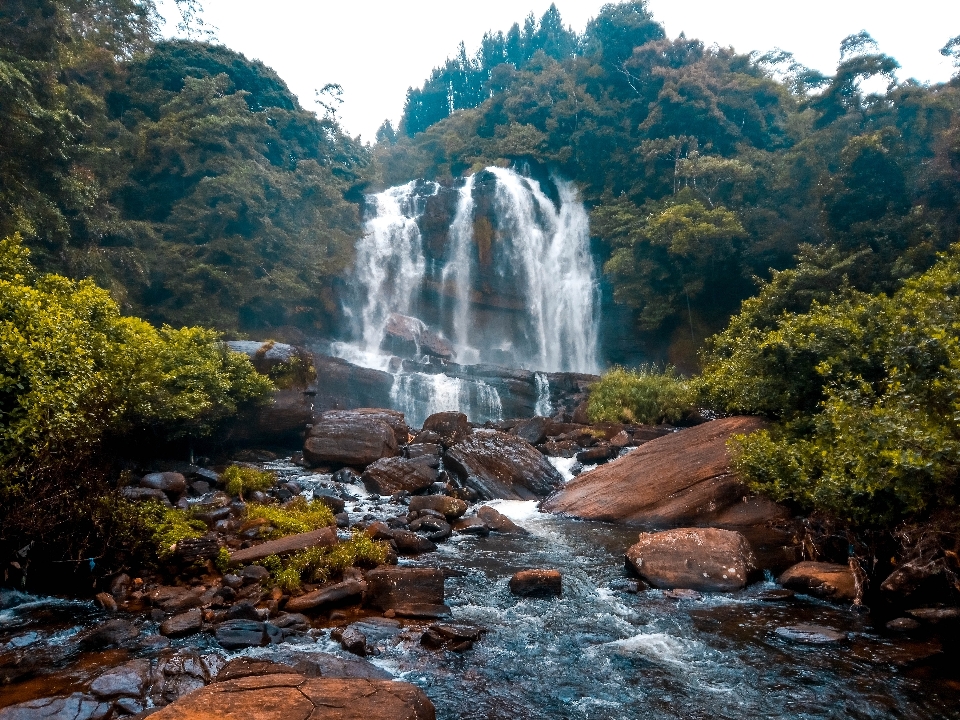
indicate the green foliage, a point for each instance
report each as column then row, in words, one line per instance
column 318, row 564
column 296, row 516
column 167, row 526
column 867, row 391
column 645, row 395
column 239, row 480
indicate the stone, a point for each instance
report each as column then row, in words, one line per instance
column 354, row 439
column 415, row 450
column 110, row 634
column 295, row 697
column 471, row 526
column 776, row 595
column 174, row 484
column 127, row 680
column 72, row 707
column 241, row 667
column 533, row 430
column 597, row 455
column 120, row 587
column 393, row 418
column 330, row 499
column 925, row 579
column 682, row 594
column 183, row 624
column 410, row 543
column 390, row 587
column 447, row 506
column 326, row 595
column 537, row 583
column 253, row 574
column 449, row 427
column 192, row 550
column 810, row 634
column 829, row 581
column 433, row 528
column 138, row 494
column 324, row 537
column 243, row 610
column 233, row 581
column 173, row 599
column 235, row 634
column 420, row 610
column 704, row 559
column 500, row 466
column 684, row 479
column 498, row 522
column 903, row 624
column 354, row 641
column 396, row 474
column 410, row 337
column 105, row 600
column 934, row 616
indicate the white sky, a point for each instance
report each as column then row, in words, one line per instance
column 376, row 49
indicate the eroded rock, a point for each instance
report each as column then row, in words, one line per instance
column 825, row 580
column 500, row 466
column 704, row 559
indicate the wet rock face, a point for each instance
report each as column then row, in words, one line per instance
column 405, row 590
column 825, row 580
column 349, row 438
column 500, row 466
column 449, row 427
column 396, row 474
column 449, row 507
column 293, row 697
column 704, row 559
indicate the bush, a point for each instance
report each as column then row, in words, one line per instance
column 644, row 395
column 239, row 480
column 867, row 392
column 75, row 372
column 319, row 564
column 297, row 516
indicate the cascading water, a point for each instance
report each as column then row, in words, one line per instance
column 508, row 277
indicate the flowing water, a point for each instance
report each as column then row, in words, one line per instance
column 516, row 286
column 598, row 651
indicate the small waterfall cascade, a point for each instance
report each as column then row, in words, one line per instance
column 497, row 270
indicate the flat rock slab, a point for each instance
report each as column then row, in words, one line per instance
column 295, row 697
column 324, row 537
column 811, row 634
column 704, row 559
column 825, row 580
column 683, row 478
column 396, row 474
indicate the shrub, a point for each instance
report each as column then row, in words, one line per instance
column 319, row 564
column 164, row 527
column 867, row 392
column 644, row 395
column 239, row 480
column 297, row 516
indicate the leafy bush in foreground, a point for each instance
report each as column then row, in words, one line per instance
column 644, row 395
column 239, row 480
column 867, row 392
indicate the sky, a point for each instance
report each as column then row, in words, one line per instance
column 376, row 49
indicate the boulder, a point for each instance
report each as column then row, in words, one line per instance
column 235, row 634
column 447, row 506
column 825, row 580
column 127, row 680
column 410, row 337
column 172, row 483
column 537, row 583
column 76, row 706
column 139, row 494
column 183, row 624
column 324, row 537
column 500, row 466
column 327, row 595
column 534, row 430
column 811, row 634
column 349, row 438
column 410, row 543
column 683, row 479
column 394, row 418
column 449, row 427
column 173, row 599
column 396, row 474
column 391, row 587
column 498, row 522
column 415, row 450
column 704, row 559
column 294, row 697
column 110, row 634
column 472, row 525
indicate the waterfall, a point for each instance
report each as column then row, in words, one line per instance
column 390, row 264
column 502, row 268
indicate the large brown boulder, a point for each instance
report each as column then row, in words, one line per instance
column 395, row 474
column 394, row 418
column 404, row 589
column 347, row 438
column 705, row 559
column 830, row 581
column 501, row 466
column 680, row 480
column 294, row 697
column 450, row 426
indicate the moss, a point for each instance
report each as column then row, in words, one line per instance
column 240, row 480
column 319, row 564
column 297, row 516
column 644, row 395
column 168, row 526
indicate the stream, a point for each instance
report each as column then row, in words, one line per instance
column 596, row 652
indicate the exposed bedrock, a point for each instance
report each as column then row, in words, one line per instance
column 683, row 480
